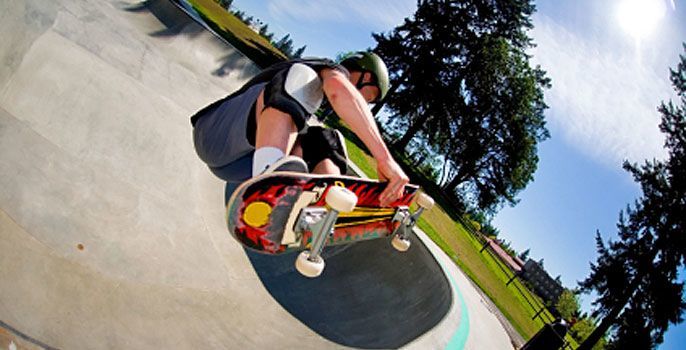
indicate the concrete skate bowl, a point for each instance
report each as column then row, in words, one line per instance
column 369, row 295
column 111, row 229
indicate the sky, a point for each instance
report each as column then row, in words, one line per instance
column 609, row 64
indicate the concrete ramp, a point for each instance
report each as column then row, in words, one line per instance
column 112, row 232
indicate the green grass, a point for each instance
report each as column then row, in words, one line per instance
column 363, row 161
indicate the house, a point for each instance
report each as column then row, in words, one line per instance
column 545, row 286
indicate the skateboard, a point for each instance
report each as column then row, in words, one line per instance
column 284, row 212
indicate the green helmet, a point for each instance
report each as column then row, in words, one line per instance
column 366, row 61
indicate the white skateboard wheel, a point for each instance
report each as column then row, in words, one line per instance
column 425, row 201
column 307, row 267
column 341, row 199
column 400, row 244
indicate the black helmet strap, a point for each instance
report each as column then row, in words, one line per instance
column 360, row 82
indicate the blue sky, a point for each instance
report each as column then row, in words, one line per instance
column 608, row 61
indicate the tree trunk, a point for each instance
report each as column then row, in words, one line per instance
column 419, row 159
column 456, row 181
column 608, row 320
column 444, row 170
column 409, row 135
column 602, row 329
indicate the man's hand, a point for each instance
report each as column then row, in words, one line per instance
column 390, row 171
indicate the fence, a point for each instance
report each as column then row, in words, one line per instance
column 535, row 304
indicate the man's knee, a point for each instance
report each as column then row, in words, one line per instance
column 326, row 166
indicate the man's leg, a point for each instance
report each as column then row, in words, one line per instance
column 327, row 166
column 324, row 151
column 297, row 149
column 275, row 129
column 275, row 137
column 324, row 167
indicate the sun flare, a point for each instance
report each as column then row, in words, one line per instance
column 639, row 18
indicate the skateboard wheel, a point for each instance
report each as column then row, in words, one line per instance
column 307, row 267
column 425, row 201
column 341, row 199
column 400, row 244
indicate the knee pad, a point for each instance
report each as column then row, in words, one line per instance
column 296, row 91
column 320, row 143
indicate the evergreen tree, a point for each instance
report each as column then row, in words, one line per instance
column 240, row 15
column 248, row 20
column 583, row 328
column 299, row 52
column 285, row 45
column 568, row 305
column 264, row 30
column 525, row 254
column 461, row 80
column 636, row 277
column 225, row 3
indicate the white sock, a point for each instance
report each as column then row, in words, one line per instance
column 264, row 157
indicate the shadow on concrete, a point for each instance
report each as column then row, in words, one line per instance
column 177, row 22
column 369, row 295
column 169, row 15
column 228, row 64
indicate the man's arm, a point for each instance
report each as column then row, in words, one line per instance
column 350, row 106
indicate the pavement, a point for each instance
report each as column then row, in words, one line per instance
column 112, row 231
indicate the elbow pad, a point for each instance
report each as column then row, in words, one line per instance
column 296, row 91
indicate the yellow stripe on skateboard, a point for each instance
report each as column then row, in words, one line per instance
column 368, row 212
column 361, row 222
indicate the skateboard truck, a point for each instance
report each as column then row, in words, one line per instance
column 320, row 221
column 401, row 237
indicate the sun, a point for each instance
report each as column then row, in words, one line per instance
column 639, row 18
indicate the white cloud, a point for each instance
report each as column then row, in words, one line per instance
column 378, row 15
column 603, row 101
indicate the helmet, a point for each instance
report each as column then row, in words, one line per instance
column 366, row 61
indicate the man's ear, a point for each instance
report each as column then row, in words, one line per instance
column 366, row 77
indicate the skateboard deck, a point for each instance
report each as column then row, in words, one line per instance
column 267, row 213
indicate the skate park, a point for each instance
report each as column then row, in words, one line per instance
column 113, row 233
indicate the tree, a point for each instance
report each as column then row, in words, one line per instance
column 636, row 277
column 525, row 254
column 299, row 52
column 240, row 15
column 489, row 230
column 583, row 328
column 264, row 30
column 225, row 3
column 493, row 150
column 285, row 45
column 249, row 20
column 568, row 305
column 485, row 225
column 461, row 81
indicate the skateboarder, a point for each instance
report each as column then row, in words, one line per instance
column 263, row 127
